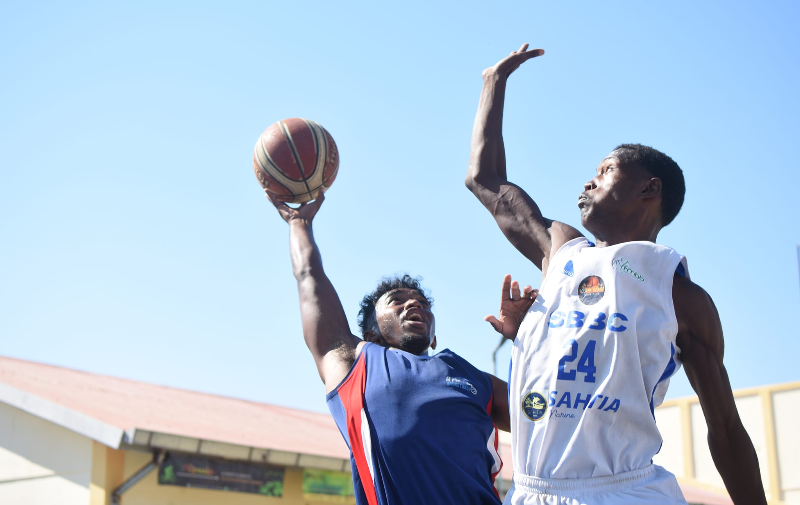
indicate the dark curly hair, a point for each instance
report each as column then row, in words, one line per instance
column 366, row 315
column 673, row 186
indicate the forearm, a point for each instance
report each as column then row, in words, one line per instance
column 306, row 258
column 325, row 325
column 702, row 352
column 487, row 152
column 737, row 464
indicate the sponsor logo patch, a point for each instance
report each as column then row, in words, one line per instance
column 568, row 269
column 622, row 264
column 534, row 405
column 591, row 290
column 461, row 383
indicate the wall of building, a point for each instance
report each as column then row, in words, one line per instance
column 787, row 436
column 42, row 463
column 768, row 414
column 149, row 492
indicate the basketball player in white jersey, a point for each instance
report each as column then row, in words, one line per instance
column 612, row 322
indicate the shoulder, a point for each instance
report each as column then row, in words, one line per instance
column 562, row 250
column 448, row 356
column 562, row 236
column 454, row 360
column 689, row 298
column 698, row 319
column 339, row 364
column 568, row 247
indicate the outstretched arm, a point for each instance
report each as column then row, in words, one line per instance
column 702, row 348
column 325, row 327
column 518, row 216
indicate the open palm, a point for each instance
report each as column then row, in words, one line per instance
column 507, row 65
column 513, row 307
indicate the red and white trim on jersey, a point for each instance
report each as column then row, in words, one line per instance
column 492, row 444
column 351, row 394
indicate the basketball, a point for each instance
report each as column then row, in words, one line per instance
column 296, row 159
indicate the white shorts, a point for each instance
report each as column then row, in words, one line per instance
column 649, row 485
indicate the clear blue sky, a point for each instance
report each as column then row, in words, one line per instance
column 136, row 241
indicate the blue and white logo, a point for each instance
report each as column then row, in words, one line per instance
column 461, row 383
column 568, row 270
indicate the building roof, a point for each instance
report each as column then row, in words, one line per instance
column 64, row 395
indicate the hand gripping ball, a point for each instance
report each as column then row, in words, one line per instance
column 296, row 159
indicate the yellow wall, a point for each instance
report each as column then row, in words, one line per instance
column 42, row 463
column 768, row 414
column 107, row 468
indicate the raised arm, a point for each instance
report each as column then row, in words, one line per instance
column 702, row 348
column 325, row 327
column 517, row 215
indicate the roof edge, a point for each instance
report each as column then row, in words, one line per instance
column 60, row 415
column 154, row 440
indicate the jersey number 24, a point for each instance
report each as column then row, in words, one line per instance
column 585, row 363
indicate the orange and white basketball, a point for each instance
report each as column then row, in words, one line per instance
column 296, row 159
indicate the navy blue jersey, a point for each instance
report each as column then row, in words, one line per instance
column 418, row 428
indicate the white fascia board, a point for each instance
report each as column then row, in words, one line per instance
column 62, row 416
column 148, row 440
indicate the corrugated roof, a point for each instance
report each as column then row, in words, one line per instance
column 129, row 404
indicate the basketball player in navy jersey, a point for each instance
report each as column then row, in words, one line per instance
column 612, row 322
column 420, row 428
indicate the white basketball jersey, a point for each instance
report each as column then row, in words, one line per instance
column 592, row 359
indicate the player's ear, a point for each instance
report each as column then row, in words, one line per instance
column 433, row 343
column 652, row 187
column 374, row 337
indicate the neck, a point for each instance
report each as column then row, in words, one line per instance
column 421, row 353
column 619, row 235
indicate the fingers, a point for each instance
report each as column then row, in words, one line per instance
column 526, row 293
column 533, row 53
column 496, row 324
column 284, row 210
column 273, row 198
column 506, row 287
column 309, row 209
column 528, row 54
column 317, row 201
column 511, row 290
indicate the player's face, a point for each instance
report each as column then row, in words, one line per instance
column 612, row 195
column 405, row 320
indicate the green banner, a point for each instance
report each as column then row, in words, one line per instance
column 327, row 486
column 190, row 470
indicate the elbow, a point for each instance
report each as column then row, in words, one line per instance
column 471, row 182
column 726, row 432
column 301, row 274
column 305, row 273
